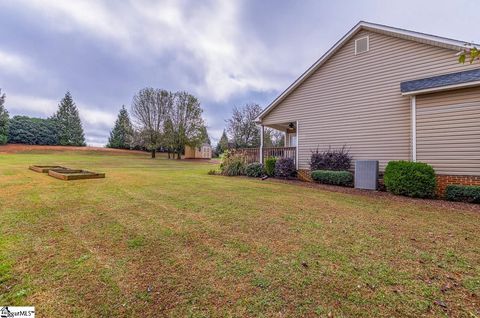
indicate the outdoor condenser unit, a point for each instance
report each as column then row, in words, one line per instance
column 366, row 174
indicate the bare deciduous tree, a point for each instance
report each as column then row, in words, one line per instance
column 273, row 138
column 150, row 108
column 242, row 129
column 184, row 125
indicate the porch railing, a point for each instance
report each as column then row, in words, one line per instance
column 253, row 154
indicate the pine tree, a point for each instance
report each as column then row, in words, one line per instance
column 206, row 137
column 69, row 125
column 222, row 144
column 4, row 120
column 122, row 133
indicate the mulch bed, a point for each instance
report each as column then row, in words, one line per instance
column 441, row 204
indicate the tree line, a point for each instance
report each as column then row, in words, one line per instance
column 62, row 128
column 162, row 120
column 242, row 131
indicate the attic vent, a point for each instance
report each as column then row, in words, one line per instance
column 361, row 45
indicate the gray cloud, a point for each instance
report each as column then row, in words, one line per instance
column 225, row 52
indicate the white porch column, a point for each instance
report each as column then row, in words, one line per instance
column 413, row 104
column 298, row 142
column 262, row 131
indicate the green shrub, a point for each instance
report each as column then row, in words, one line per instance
column 412, row 179
column 341, row 178
column 3, row 139
column 463, row 193
column 232, row 164
column 270, row 166
column 255, row 170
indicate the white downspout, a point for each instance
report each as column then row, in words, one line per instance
column 413, row 103
column 298, row 141
column 262, row 128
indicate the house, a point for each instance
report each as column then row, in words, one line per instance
column 202, row 152
column 387, row 94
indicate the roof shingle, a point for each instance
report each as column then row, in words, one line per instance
column 440, row 81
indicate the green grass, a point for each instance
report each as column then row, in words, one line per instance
column 162, row 238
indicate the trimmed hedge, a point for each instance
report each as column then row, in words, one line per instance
column 463, row 193
column 285, row 168
column 270, row 166
column 255, row 170
column 412, row 179
column 341, row 178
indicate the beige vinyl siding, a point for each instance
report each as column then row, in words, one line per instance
column 355, row 99
column 448, row 131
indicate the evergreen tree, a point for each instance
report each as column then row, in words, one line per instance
column 4, row 120
column 206, row 137
column 69, row 125
column 121, row 135
column 32, row 131
column 222, row 144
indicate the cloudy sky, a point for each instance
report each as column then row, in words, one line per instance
column 226, row 52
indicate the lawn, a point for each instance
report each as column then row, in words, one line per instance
column 162, row 238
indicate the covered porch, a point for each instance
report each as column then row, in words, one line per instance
column 288, row 150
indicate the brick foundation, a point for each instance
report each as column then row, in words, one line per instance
column 444, row 180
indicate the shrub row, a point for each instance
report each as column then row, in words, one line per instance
column 234, row 164
column 463, row 193
column 341, row 178
column 281, row 168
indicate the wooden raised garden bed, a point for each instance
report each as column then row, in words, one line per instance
column 72, row 174
column 44, row 169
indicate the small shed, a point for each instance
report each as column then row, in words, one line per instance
column 202, row 152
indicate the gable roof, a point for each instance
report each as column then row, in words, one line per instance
column 379, row 28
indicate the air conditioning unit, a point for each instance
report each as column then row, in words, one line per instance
column 366, row 174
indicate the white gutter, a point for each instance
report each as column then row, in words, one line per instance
column 296, row 150
column 413, row 103
column 262, row 129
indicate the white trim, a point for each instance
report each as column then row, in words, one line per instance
column 441, row 88
column 413, row 102
column 262, row 129
column 412, row 35
column 296, row 150
column 368, row 44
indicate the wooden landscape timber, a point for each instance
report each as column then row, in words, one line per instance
column 44, row 169
column 71, row 174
